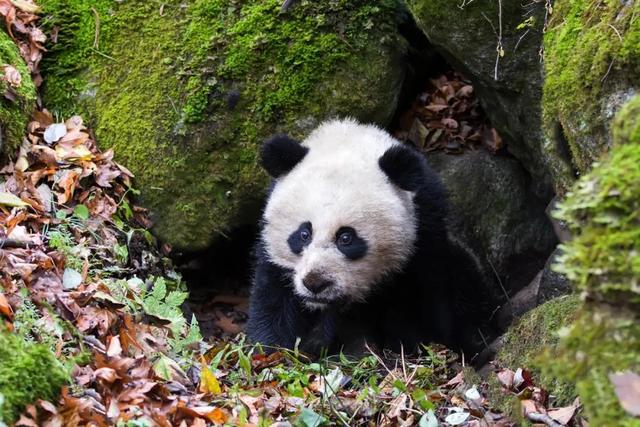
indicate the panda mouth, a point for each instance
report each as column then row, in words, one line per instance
column 319, row 300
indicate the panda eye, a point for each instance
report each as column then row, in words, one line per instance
column 305, row 235
column 345, row 238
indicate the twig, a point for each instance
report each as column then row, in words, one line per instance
column 500, row 283
column 499, row 50
column 173, row 105
column 404, row 370
column 490, row 23
column 520, row 39
column 286, row 5
column 617, row 32
column 484, row 341
column 543, row 418
column 464, row 3
column 379, row 359
column 103, row 54
column 14, row 243
column 608, row 71
column 96, row 37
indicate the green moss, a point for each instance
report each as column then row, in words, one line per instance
column 28, row 372
column 602, row 259
column 603, row 210
column 535, row 334
column 14, row 114
column 591, row 51
column 602, row 341
column 626, row 127
column 185, row 91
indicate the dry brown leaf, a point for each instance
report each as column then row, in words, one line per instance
column 627, row 388
column 12, row 76
column 563, row 415
column 5, row 307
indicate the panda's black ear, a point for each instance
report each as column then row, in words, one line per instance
column 404, row 166
column 279, row 154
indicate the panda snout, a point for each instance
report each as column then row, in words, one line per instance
column 316, row 282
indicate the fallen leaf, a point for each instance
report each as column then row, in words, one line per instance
column 458, row 379
column 12, row 76
column 114, row 349
column 465, row 91
column 8, row 199
column 71, row 279
column 5, row 308
column 208, row 381
column 505, row 377
column 428, row 419
column 217, row 416
column 627, row 388
column 456, row 418
column 26, row 6
column 563, row 415
column 54, row 132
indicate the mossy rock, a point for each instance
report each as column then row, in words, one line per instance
column 19, row 101
column 592, row 67
column 465, row 33
column 603, row 213
column 604, row 340
column 537, row 333
column 185, row 91
column 28, row 372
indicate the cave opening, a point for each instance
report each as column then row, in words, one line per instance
column 439, row 112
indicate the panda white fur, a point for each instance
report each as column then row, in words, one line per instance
column 353, row 247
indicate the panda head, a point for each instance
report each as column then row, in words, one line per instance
column 341, row 214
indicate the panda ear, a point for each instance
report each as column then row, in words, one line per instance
column 404, row 166
column 279, row 154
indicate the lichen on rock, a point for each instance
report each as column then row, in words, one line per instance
column 28, row 372
column 185, row 92
column 18, row 101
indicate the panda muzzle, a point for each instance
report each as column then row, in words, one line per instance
column 316, row 282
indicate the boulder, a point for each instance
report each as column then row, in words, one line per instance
column 186, row 91
column 495, row 215
column 498, row 49
column 601, row 212
column 592, row 68
column 529, row 339
column 19, row 95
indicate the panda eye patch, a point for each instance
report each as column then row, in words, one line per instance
column 350, row 244
column 300, row 238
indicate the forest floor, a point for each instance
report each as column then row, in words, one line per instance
column 83, row 276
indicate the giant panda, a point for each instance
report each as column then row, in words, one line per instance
column 353, row 248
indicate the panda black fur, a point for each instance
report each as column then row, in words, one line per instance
column 354, row 248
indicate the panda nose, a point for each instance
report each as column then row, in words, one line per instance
column 316, row 282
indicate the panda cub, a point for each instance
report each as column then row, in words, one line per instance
column 353, row 247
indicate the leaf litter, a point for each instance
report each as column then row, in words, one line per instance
column 448, row 117
column 123, row 336
column 81, row 273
